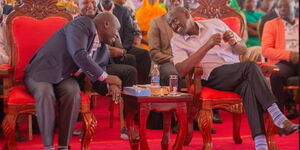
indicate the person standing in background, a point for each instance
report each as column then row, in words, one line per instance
column 149, row 10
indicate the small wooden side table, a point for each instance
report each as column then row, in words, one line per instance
column 165, row 104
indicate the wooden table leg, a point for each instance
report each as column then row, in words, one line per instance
column 182, row 122
column 205, row 125
column 144, row 112
column 191, row 115
column 236, row 120
column 166, row 131
column 130, row 110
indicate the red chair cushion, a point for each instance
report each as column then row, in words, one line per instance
column 19, row 95
column 29, row 35
column 212, row 94
column 233, row 23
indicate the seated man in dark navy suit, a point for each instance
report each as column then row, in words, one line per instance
column 50, row 74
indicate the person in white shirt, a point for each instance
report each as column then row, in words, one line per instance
column 213, row 45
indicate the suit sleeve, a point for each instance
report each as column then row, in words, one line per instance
column 77, row 37
column 128, row 30
column 155, row 45
column 268, row 44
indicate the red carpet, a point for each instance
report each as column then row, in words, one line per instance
column 108, row 138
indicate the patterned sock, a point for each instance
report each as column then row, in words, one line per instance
column 277, row 116
column 49, row 147
column 261, row 142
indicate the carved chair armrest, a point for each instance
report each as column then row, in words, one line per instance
column 194, row 78
column 87, row 87
column 5, row 74
column 5, row 70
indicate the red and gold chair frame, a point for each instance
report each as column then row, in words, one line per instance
column 27, row 28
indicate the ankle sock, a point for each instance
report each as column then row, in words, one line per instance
column 261, row 142
column 277, row 116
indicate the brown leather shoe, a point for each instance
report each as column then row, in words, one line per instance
column 288, row 128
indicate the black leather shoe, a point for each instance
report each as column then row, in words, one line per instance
column 288, row 128
column 292, row 113
column 216, row 117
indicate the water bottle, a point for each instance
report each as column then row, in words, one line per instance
column 155, row 81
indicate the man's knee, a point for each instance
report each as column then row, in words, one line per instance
column 251, row 66
column 44, row 94
column 130, row 76
column 69, row 87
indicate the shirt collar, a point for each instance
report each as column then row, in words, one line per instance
column 111, row 9
column 200, row 26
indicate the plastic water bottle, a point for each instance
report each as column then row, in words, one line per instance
column 155, row 81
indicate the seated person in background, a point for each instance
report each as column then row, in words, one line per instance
column 213, row 45
column 159, row 37
column 253, row 53
column 280, row 45
column 149, row 10
column 266, row 6
column 267, row 17
column 49, row 76
column 121, row 66
column 143, row 61
column 136, row 29
column 252, row 17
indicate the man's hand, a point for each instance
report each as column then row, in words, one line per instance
column 115, row 51
column 228, row 37
column 214, row 40
column 294, row 57
column 113, row 80
column 115, row 92
column 136, row 42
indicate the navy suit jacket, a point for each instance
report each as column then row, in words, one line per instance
column 67, row 51
column 126, row 30
column 7, row 9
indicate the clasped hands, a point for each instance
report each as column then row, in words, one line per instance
column 216, row 39
column 114, row 89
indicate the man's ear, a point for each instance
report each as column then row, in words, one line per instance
column 187, row 14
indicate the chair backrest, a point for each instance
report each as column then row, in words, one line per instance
column 209, row 9
column 28, row 27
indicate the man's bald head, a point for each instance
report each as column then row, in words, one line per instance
column 286, row 9
column 108, row 27
column 178, row 11
column 180, row 20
